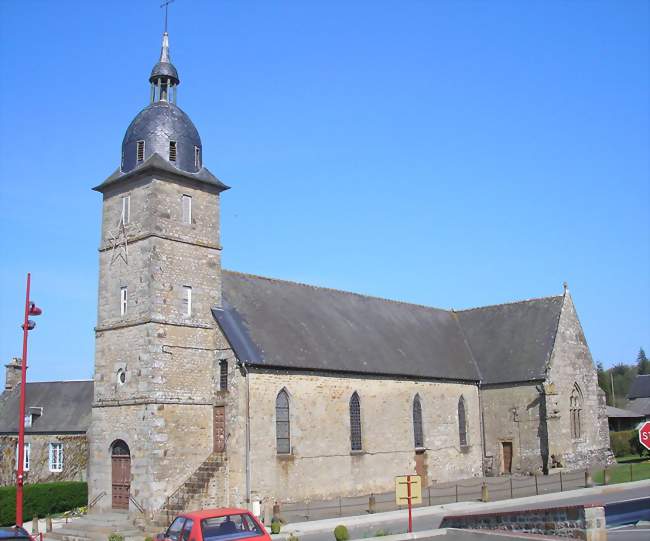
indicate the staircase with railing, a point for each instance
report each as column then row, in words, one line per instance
column 195, row 492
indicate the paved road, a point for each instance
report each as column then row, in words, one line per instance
column 629, row 533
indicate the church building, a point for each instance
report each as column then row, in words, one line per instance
column 214, row 387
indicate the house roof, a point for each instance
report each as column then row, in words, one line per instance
column 623, row 414
column 66, row 407
column 640, row 405
column 275, row 323
column 640, row 387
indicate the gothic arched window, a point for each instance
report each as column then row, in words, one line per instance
column 282, row 429
column 418, row 435
column 462, row 422
column 575, row 409
column 355, row 422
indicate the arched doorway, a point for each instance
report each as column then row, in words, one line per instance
column 121, row 474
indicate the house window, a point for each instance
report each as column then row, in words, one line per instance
column 282, row 431
column 355, row 422
column 462, row 422
column 575, row 409
column 126, row 209
column 187, row 300
column 197, row 157
column 56, row 457
column 223, row 375
column 123, row 300
column 140, row 151
column 418, row 434
column 172, row 151
column 26, row 456
column 187, row 209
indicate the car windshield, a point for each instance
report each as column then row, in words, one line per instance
column 236, row 526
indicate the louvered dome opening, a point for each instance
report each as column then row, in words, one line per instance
column 172, row 151
column 140, row 151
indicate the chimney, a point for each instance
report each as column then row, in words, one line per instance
column 12, row 374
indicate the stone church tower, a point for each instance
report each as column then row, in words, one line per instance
column 159, row 276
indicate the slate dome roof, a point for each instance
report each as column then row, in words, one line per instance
column 157, row 125
column 164, row 69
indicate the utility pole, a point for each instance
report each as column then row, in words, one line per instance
column 611, row 380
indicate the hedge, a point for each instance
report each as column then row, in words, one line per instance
column 42, row 499
column 621, row 442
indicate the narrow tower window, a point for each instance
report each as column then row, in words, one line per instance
column 575, row 408
column 187, row 209
column 123, row 300
column 355, row 422
column 187, row 300
column 417, row 422
column 223, row 375
column 282, row 429
column 172, row 151
column 140, row 151
column 197, row 156
column 126, row 209
column 462, row 423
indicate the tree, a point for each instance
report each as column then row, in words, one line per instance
column 642, row 363
column 603, row 382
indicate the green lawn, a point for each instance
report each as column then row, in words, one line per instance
column 629, row 468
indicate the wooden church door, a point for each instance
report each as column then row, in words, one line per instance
column 121, row 474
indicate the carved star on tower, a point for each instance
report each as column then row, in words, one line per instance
column 119, row 244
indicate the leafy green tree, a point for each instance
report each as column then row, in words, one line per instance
column 642, row 363
column 603, row 382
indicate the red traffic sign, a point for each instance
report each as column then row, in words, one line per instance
column 644, row 434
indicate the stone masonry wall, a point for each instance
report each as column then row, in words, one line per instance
column 75, row 458
column 512, row 414
column 571, row 363
column 321, row 464
column 163, row 409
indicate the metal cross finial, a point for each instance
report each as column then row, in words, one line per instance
column 164, row 5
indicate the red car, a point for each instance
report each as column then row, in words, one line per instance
column 215, row 525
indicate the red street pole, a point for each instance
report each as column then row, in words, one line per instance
column 408, row 488
column 21, row 419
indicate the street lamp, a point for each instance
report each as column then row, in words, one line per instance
column 30, row 310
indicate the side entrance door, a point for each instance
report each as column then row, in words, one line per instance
column 507, row 456
column 219, row 429
column 121, row 474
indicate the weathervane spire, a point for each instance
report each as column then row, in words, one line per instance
column 165, row 5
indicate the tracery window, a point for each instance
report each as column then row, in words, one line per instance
column 282, row 428
column 355, row 422
column 575, row 409
column 418, row 435
column 462, row 422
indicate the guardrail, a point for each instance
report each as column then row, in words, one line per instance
column 498, row 488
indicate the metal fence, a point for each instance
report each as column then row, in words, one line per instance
column 498, row 488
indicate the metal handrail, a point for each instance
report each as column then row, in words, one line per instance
column 96, row 499
column 137, row 505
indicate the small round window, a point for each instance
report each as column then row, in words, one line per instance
column 121, row 376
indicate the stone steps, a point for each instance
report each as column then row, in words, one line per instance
column 96, row 527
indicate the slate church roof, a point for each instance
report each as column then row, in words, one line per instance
column 66, row 407
column 280, row 324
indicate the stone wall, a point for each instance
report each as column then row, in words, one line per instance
column 321, row 463
column 571, row 364
column 163, row 407
column 75, row 458
column 512, row 414
column 574, row 522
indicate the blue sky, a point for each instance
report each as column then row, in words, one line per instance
column 452, row 154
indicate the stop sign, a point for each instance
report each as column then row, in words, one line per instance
column 644, row 434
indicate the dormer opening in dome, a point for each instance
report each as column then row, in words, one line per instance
column 162, row 127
